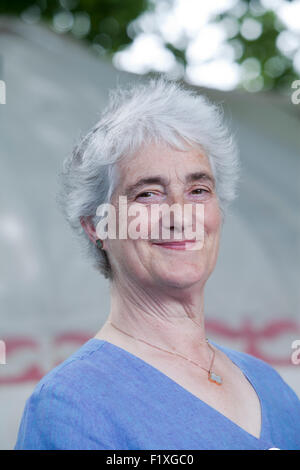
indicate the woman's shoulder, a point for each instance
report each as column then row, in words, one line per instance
column 262, row 372
column 75, row 388
column 87, row 363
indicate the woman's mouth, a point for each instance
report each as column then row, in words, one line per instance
column 179, row 245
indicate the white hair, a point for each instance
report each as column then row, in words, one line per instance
column 156, row 110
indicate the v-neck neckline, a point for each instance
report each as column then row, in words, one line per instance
column 146, row 365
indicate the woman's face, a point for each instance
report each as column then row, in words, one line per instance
column 175, row 179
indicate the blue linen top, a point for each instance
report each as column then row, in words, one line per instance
column 103, row 397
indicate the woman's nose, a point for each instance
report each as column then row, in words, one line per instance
column 175, row 197
column 175, row 220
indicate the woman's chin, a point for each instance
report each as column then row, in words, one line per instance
column 182, row 278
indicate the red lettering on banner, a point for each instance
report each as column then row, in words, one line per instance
column 252, row 337
column 31, row 373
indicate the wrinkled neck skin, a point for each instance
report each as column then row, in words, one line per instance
column 170, row 318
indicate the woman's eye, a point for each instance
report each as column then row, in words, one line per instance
column 145, row 194
column 149, row 194
column 199, row 191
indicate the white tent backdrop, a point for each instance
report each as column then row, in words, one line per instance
column 51, row 299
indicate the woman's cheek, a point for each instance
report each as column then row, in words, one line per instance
column 212, row 217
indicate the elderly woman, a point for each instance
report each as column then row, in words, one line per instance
column 150, row 378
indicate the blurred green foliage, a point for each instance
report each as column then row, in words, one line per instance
column 104, row 24
column 276, row 70
column 107, row 17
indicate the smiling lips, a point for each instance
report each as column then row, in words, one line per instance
column 178, row 245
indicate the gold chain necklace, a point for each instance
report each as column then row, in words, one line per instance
column 212, row 376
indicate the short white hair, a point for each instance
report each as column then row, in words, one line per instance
column 146, row 111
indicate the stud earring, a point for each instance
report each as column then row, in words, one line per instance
column 99, row 243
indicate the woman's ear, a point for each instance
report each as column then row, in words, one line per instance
column 88, row 226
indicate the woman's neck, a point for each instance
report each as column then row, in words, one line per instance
column 160, row 319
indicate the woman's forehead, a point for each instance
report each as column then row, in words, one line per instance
column 136, row 176
column 151, row 157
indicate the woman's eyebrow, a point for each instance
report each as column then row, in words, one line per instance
column 143, row 181
column 200, row 175
column 191, row 177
